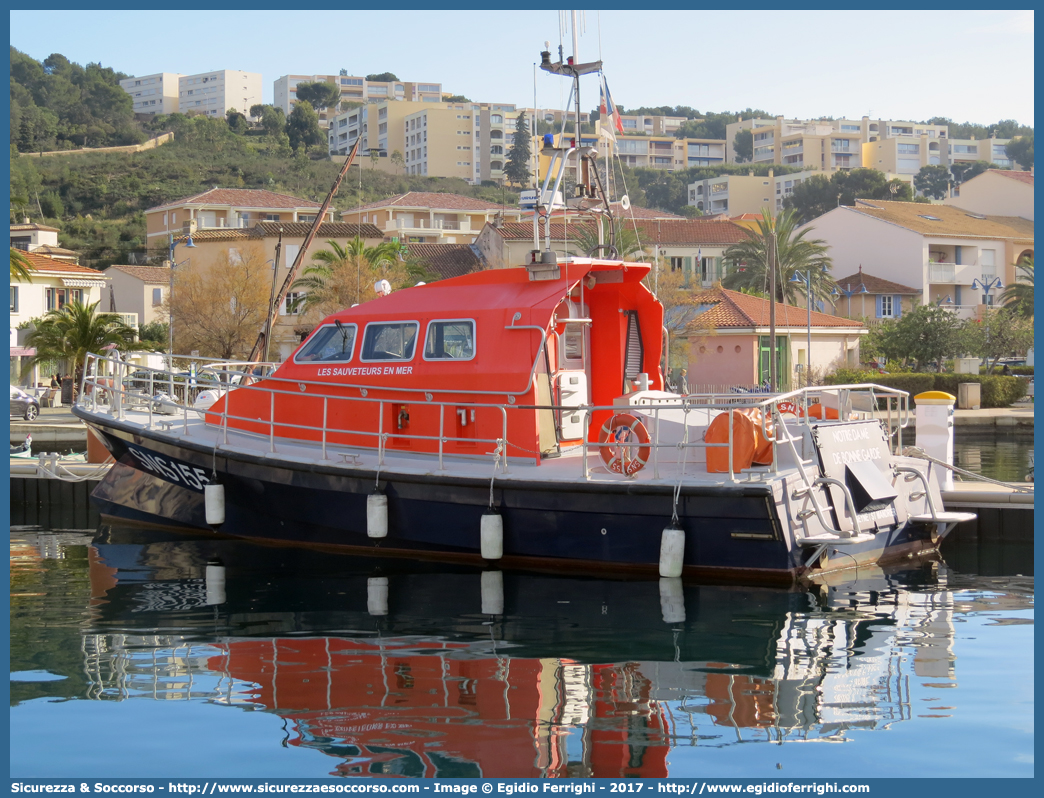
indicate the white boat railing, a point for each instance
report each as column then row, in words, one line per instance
column 227, row 378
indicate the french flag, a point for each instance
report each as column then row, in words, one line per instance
column 607, row 109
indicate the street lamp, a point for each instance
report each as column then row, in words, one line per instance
column 187, row 241
column 848, row 291
column 987, row 284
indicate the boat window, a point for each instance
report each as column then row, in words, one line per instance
column 331, row 343
column 450, row 340
column 389, row 341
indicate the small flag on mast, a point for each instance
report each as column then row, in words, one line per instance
column 611, row 123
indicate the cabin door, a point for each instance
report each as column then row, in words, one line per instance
column 571, row 378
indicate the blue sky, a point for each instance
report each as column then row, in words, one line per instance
column 903, row 65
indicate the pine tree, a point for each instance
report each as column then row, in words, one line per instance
column 517, row 169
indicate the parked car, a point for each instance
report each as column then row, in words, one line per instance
column 23, row 405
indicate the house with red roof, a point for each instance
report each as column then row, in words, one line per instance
column 694, row 247
column 54, row 284
column 223, row 208
column 729, row 342
column 873, row 299
column 141, row 290
column 427, row 217
column 997, row 192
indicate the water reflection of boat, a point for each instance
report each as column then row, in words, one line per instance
column 572, row 676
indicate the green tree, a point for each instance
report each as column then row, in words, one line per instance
column 998, row 333
column 322, row 94
column 927, row 333
column 375, row 157
column 397, row 160
column 303, row 127
column 819, row 194
column 794, row 253
column 933, row 181
column 813, row 197
column 341, row 276
column 963, row 171
column 70, row 333
column 1020, row 149
column 455, row 98
column 743, row 145
column 257, row 110
column 237, row 123
column 155, row 333
column 1018, row 296
column 518, row 167
column 273, row 120
column 383, row 77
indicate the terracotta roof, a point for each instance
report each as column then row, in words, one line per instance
column 16, row 228
column 326, row 230
column 433, row 200
column 41, row 263
column 448, row 260
column 241, row 198
column 147, row 274
column 690, row 231
column 731, row 309
column 943, row 220
column 874, row 285
column 217, row 234
column 1022, row 177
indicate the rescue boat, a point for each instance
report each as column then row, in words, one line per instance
column 518, row 417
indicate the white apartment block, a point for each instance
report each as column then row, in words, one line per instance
column 354, row 89
column 214, row 93
column 153, row 94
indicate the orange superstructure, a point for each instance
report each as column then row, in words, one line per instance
column 420, row 364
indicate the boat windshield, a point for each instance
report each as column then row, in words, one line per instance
column 389, row 341
column 330, row 344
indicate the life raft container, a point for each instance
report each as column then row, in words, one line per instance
column 628, row 439
column 749, row 442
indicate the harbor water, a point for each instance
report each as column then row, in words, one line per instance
column 140, row 653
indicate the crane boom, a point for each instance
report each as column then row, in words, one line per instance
column 291, row 275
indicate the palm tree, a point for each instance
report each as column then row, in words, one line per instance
column 794, row 254
column 21, row 268
column 1018, row 296
column 339, row 276
column 71, row 332
column 586, row 239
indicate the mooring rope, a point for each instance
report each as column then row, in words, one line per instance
column 914, row 451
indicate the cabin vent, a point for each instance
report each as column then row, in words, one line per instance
column 634, row 354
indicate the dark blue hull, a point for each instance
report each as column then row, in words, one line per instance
column 731, row 533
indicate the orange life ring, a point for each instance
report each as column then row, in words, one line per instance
column 624, row 456
column 786, row 406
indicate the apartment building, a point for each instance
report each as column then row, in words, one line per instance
column 667, row 152
column 420, row 217
column 750, row 193
column 214, row 93
column 154, row 94
column 825, row 144
column 140, row 290
column 354, row 89
column 222, row 208
column 944, row 251
column 993, row 150
column 652, row 125
column 466, row 140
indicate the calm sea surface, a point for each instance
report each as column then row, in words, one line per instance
column 139, row 653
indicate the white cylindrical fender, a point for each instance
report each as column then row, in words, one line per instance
column 491, row 536
column 214, row 504
column 672, row 599
column 377, row 515
column 215, row 581
column 377, row 595
column 672, row 551
column 492, row 593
